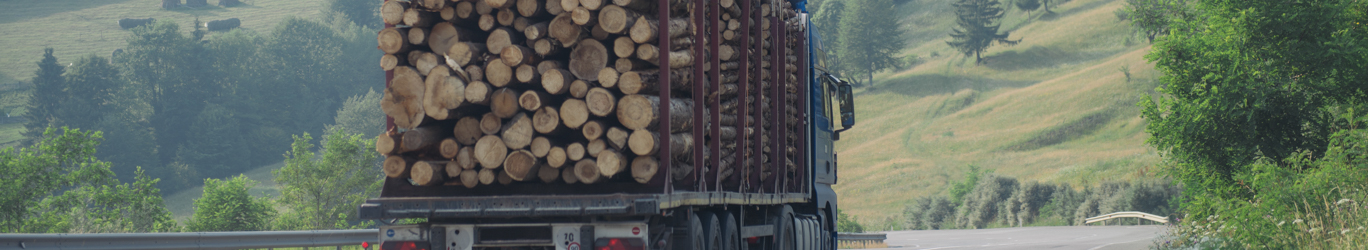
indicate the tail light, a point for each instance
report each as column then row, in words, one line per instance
column 620, row 244
column 405, row 245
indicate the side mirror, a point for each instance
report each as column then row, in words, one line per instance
column 847, row 105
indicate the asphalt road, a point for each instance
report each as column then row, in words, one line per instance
column 1076, row 237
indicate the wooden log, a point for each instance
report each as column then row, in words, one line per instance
column 505, row 17
column 488, row 176
column 388, row 143
column 499, row 4
column 610, row 162
column 626, row 64
column 580, row 88
column 444, row 35
column 504, row 103
column 651, row 54
column 568, row 175
column 403, row 99
column 483, row 8
column 548, row 174
column 646, row 142
column 498, row 74
column 587, row 171
column 520, row 24
column 470, row 178
column 413, row 56
column 547, row 121
column 453, row 172
column 568, row 5
column 490, row 124
column 517, row 132
column 616, row 137
column 420, row 19
column 647, row 81
column 490, row 151
column 565, row 30
column 527, row 73
column 393, row 40
column 465, row 10
column 503, row 37
column 624, row 47
column 426, row 62
column 600, row 102
column 545, row 47
column 546, row 65
column 467, row 130
column 574, row 151
column 537, row 31
column 593, row 129
column 392, row 12
column 517, row 55
column 594, row 147
column 479, row 92
column 390, row 61
column 644, row 168
column 588, row 58
column 598, row 33
column 556, row 156
column 574, row 113
column 464, row 53
column 556, row 81
column 431, row 4
column 449, row 148
column 418, row 36
column 465, row 158
column 592, row 4
column 476, row 73
column 428, row 173
column 487, row 23
column 532, row 8
column 540, row 146
column 608, row 77
column 617, row 20
column 533, row 100
column 645, row 29
column 503, row 178
column 397, row 166
column 443, row 94
column 422, row 138
column 521, row 165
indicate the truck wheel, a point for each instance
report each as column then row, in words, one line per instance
column 696, row 235
column 731, row 234
column 712, row 231
column 783, row 228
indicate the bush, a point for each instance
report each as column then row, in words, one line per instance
column 1025, row 203
column 846, row 223
column 982, row 205
column 227, row 206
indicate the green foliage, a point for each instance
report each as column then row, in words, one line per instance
column 171, row 73
column 1153, row 17
column 847, row 224
column 227, row 206
column 827, row 19
column 360, row 115
column 1028, row 5
column 57, row 185
column 89, row 93
column 995, row 200
column 322, row 193
column 216, row 147
column 961, row 188
column 362, row 12
column 930, row 213
column 983, row 204
column 870, row 37
column 1250, row 80
column 978, row 27
column 48, row 86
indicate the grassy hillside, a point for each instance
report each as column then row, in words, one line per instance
column 1056, row 107
column 78, row 27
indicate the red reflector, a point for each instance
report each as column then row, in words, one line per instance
column 404, row 245
column 620, row 244
column 753, row 240
column 365, row 244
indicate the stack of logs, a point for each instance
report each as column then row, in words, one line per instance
column 503, row 91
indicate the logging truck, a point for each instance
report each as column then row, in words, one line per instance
column 606, row 124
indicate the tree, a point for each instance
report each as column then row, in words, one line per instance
column 227, row 206
column 47, row 94
column 978, row 27
column 847, row 224
column 1152, row 17
column 57, row 185
column 360, row 115
column 871, row 35
column 827, row 19
column 216, row 147
column 362, row 12
column 322, row 193
column 171, row 74
column 91, row 83
column 1251, row 80
column 1028, row 5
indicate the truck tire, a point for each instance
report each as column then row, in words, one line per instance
column 783, row 228
column 808, row 230
column 696, row 238
column 712, row 231
column 731, row 233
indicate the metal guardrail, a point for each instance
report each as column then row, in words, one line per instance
column 1142, row 215
column 203, row 240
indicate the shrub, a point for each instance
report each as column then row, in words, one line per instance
column 981, row 206
column 227, row 206
column 847, row 224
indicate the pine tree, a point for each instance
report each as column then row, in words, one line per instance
column 47, row 94
column 978, row 27
column 827, row 18
column 90, row 85
column 870, row 37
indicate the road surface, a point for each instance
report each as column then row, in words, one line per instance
column 1076, row 237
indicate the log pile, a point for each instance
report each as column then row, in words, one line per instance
column 493, row 92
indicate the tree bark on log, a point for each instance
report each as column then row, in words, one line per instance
column 547, row 47
column 646, row 29
column 428, row 173
column 642, row 112
column 420, row 19
column 646, row 82
column 422, row 138
column 651, row 54
column 645, row 142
